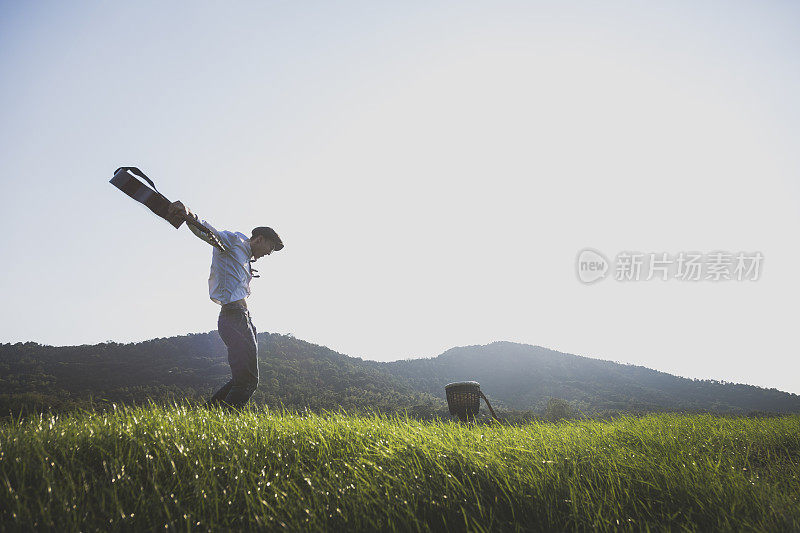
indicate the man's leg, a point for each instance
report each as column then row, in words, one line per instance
column 220, row 395
column 237, row 331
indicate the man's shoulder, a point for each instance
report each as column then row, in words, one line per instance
column 234, row 237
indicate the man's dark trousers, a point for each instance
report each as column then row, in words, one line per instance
column 239, row 335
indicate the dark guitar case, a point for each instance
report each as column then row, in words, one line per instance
column 127, row 180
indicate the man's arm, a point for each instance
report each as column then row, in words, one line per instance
column 204, row 230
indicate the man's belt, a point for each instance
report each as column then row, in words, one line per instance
column 126, row 180
column 234, row 305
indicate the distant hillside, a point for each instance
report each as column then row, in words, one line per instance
column 293, row 373
column 517, row 378
column 524, row 377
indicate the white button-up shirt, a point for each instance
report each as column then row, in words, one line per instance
column 230, row 275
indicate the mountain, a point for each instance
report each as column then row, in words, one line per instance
column 292, row 373
column 525, row 377
column 517, row 378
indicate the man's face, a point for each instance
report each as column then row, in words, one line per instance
column 261, row 246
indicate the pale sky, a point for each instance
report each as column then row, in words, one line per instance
column 433, row 168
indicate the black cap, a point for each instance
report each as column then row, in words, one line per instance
column 268, row 233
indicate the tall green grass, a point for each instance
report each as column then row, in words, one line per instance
column 190, row 469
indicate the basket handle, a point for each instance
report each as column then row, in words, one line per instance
column 488, row 404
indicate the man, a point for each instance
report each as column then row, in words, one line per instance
column 228, row 286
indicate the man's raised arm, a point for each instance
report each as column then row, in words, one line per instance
column 203, row 230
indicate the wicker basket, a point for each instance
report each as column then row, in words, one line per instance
column 463, row 399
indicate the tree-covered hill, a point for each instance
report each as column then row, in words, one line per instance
column 293, row 373
column 517, row 378
column 525, row 377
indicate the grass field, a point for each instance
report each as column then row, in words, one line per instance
column 194, row 469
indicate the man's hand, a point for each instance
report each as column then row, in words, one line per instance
column 177, row 207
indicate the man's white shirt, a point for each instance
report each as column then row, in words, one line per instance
column 230, row 275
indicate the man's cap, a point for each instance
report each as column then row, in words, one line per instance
column 269, row 233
